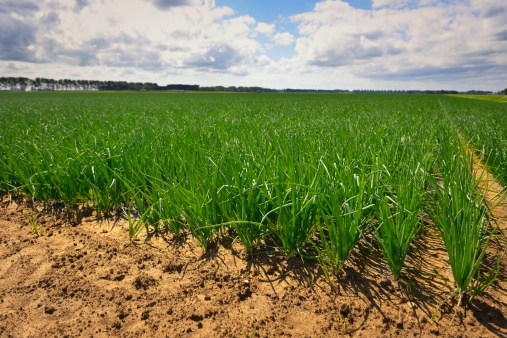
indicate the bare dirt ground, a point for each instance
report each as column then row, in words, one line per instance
column 79, row 279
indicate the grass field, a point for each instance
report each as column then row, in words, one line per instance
column 308, row 175
column 491, row 98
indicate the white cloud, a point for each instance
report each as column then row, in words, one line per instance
column 265, row 28
column 451, row 42
column 284, row 39
column 80, row 4
column 262, row 61
column 390, row 3
column 163, row 35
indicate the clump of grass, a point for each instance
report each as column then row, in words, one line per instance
column 296, row 216
column 342, row 210
column 294, row 196
column 398, row 215
column 250, row 206
column 33, row 223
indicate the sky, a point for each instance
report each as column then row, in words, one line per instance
column 328, row 44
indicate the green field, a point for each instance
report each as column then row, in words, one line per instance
column 307, row 175
column 491, row 98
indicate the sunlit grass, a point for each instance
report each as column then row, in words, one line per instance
column 491, row 98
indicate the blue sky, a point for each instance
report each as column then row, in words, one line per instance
column 268, row 10
column 273, row 10
column 328, row 44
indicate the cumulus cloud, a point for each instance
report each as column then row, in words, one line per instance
column 50, row 20
column 403, row 42
column 193, row 34
column 501, row 36
column 12, row 66
column 99, row 43
column 134, row 59
column 265, row 28
column 217, row 56
column 16, row 39
column 284, row 39
column 80, row 4
column 460, row 72
column 20, row 7
column 494, row 11
column 80, row 57
column 166, row 4
column 346, row 36
column 390, row 3
column 262, row 61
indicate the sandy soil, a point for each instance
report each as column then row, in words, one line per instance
column 79, row 279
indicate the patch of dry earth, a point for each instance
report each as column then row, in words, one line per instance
column 81, row 280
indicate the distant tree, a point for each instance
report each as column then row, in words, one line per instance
column 22, row 83
column 4, row 83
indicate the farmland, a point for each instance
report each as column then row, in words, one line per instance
column 492, row 98
column 314, row 178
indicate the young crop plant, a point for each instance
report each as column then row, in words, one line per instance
column 398, row 216
column 343, row 210
column 250, row 204
column 33, row 223
column 296, row 217
column 295, row 203
column 201, row 214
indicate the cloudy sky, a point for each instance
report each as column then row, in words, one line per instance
column 328, row 44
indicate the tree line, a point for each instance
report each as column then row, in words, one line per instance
column 43, row 84
column 473, row 92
